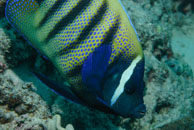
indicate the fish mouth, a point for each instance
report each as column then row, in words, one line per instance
column 139, row 111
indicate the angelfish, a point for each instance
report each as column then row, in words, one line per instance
column 93, row 44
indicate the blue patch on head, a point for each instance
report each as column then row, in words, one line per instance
column 95, row 66
column 133, row 89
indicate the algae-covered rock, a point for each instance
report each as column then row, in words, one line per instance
column 181, row 124
column 20, row 108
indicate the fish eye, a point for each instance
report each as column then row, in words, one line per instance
column 130, row 89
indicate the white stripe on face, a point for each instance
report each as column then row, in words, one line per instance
column 124, row 78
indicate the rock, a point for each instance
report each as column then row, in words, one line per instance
column 185, row 123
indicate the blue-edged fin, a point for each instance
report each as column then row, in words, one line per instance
column 69, row 95
column 105, row 107
column 59, row 89
column 95, row 66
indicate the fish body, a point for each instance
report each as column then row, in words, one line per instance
column 92, row 43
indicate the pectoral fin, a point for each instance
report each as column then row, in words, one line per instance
column 59, row 89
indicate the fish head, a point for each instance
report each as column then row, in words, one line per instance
column 123, row 90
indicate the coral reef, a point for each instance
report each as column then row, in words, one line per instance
column 19, row 105
column 26, row 103
column 22, row 108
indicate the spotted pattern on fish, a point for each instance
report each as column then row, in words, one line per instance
column 67, row 31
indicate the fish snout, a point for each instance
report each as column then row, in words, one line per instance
column 139, row 111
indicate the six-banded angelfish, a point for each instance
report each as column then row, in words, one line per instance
column 93, row 44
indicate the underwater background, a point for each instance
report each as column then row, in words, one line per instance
column 166, row 32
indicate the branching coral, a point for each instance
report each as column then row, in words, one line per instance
column 55, row 124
